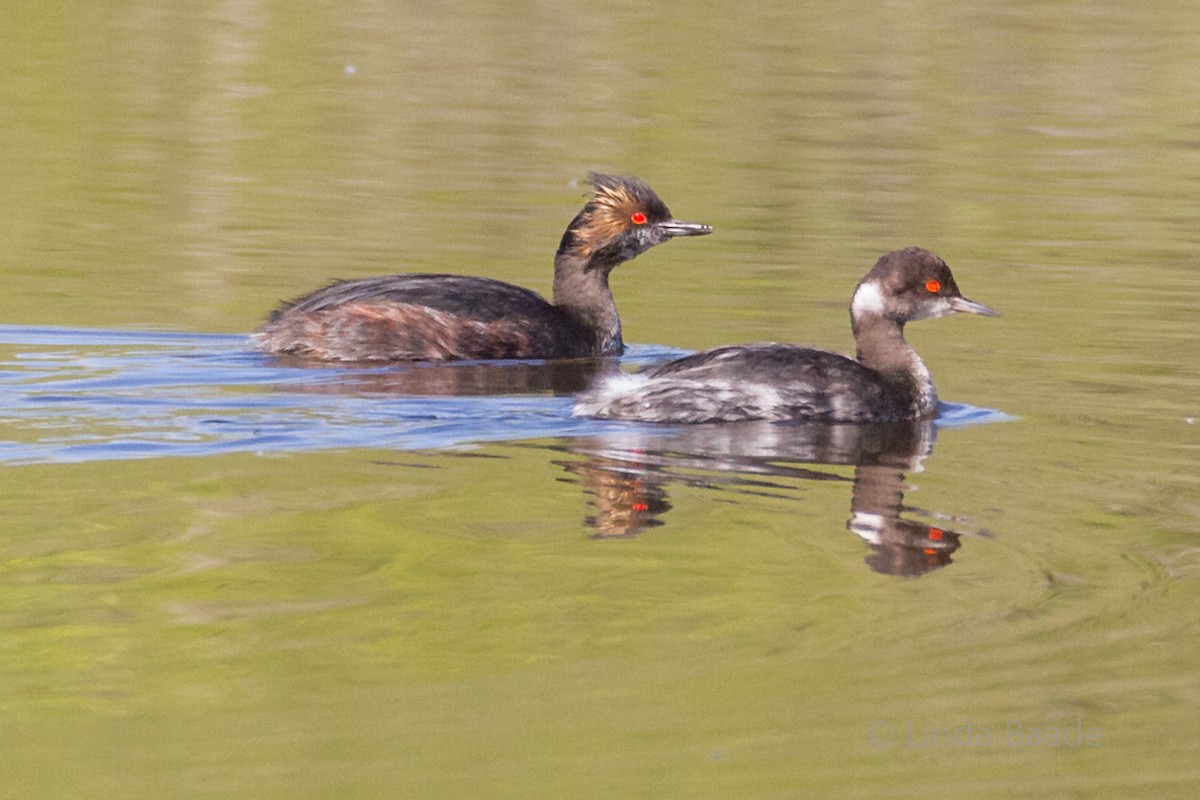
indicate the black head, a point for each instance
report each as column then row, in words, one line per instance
column 622, row 219
column 911, row 284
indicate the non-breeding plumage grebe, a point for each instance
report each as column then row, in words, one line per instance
column 888, row 382
column 445, row 317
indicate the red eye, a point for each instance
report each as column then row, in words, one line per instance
column 638, row 218
column 933, row 286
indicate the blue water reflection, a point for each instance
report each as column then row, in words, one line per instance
column 80, row 395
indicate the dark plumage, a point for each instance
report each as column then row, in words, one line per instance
column 425, row 317
column 764, row 381
column 887, row 383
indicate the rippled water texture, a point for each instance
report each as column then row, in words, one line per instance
column 225, row 574
column 80, row 395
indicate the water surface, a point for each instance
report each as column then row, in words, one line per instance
column 225, row 574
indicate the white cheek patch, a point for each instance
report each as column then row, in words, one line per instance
column 868, row 299
column 869, row 526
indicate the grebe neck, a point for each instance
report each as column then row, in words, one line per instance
column 880, row 345
column 581, row 290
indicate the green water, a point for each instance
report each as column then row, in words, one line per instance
column 383, row 623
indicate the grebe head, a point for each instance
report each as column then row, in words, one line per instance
column 622, row 219
column 910, row 284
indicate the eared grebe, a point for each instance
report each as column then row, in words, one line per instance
column 888, row 382
column 444, row 317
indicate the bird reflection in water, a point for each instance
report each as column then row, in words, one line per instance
column 626, row 476
column 454, row 379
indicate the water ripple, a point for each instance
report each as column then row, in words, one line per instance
column 82, row 395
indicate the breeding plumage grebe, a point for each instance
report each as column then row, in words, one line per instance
column 888, row 382
column 444, row 317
